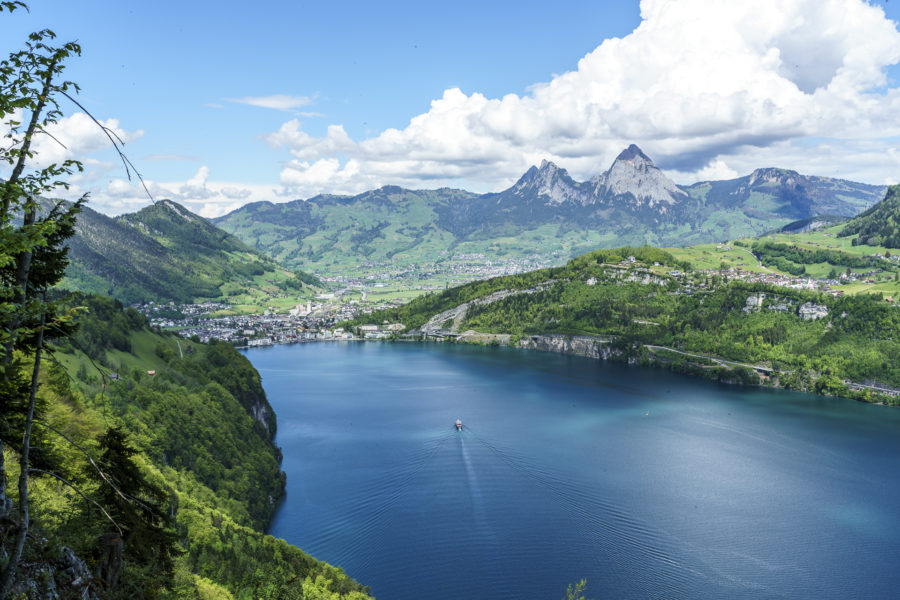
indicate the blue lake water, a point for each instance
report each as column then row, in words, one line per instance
column 645, row 483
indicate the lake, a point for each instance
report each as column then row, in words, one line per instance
column 646, row 483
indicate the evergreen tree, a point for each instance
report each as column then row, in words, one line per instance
column 144, row 514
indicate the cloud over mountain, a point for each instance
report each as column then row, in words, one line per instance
column 696, row 83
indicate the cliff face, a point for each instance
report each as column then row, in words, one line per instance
column 578, row 345
column 227, row 367
column 53, row 574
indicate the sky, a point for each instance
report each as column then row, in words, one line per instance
column 224, row 103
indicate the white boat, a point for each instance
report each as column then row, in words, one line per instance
column 458, row 425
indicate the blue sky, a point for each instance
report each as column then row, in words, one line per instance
column 278, row 100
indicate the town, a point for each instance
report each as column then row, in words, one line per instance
column 316, row 320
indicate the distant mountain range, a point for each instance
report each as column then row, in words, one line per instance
column 164, row 252
column 544, row 212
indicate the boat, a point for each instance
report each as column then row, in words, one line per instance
column 458, row 425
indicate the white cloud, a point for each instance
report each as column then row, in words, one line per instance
column 198, row 193
column 697, row 84
column 195, row 187
column 75, row 137
column 235, row 193
column 276, row 101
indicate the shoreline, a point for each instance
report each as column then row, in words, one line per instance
column 721, row 370
column 602, row 348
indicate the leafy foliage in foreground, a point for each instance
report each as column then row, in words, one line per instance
column 206, row 460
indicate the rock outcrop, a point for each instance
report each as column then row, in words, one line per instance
column 578, row 345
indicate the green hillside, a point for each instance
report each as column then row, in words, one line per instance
column 391, row 228
column 339, row 234
column 198, row 419
column 880, row 225
column 166, row 253
column 647, row 305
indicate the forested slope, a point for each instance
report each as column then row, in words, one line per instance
column 880, row 225
column 194, row 420
column 166, row 253
column 636, row 298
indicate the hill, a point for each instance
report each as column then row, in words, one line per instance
column 201, row 436
column 166, row 253
column 880, row 225
column 546, row 213
column 647, row 305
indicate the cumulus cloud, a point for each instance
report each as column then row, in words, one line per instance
column 195, row 187
column 276, row 101
column 74, row 137
column 199, row 193
column 697, row 84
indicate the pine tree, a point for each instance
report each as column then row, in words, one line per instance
column 143, row 511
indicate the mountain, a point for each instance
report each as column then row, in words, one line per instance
column 546, row 212
column 164, row 252
column 633, row 175
column 880, row 225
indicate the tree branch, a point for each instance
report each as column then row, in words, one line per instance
column 13, row 179
column 82, row 494
column 116, row 142
column 53, row 137
column 103, row 475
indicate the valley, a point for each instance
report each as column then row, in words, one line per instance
column 450, row 236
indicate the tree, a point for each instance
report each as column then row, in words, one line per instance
column 141, row 510
column 33, row 254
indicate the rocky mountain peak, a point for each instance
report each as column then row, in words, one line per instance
column 634, row 174
column 775, row 175
column 632, row 153
column 548, row 181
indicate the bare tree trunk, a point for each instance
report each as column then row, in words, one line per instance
column 9, row 573
column 5, row 503
column 21, row 296
column 23, row 260
column 110, row 566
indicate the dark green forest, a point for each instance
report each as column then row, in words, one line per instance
column 793, row 260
